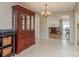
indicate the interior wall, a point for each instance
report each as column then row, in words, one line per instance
column 76, row 16
column 6, row 14
column 53, row 21
column 43, row 28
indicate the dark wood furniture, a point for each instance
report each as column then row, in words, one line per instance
column 24, row 26
column 55, row 33
column 53, row 30
column 7, row 43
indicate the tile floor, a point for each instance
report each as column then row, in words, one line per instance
column 51, row 48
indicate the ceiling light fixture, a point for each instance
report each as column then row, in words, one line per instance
column 46, row 12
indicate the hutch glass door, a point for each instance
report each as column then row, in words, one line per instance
column 32, row 22
column 22, row 22
column 28, row 22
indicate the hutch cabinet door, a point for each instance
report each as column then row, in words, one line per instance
column 27, row 22
column 32, row 22
column 22, row 22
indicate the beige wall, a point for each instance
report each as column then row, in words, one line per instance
column 6, row 14
column 76, row 16
column 43, row 28
column 53, row 21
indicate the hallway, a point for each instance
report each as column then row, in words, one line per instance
column 27, row 21
column 51, row 48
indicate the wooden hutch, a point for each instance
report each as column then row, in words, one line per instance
column 24, row 25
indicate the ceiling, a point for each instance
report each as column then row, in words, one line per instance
column 52, row 6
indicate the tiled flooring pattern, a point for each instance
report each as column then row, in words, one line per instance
column 51, row 48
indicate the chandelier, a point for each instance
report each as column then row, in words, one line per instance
column 46, row 13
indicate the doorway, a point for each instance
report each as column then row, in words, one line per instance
column 65, row 28
column 54, row 28
column 59, row 28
